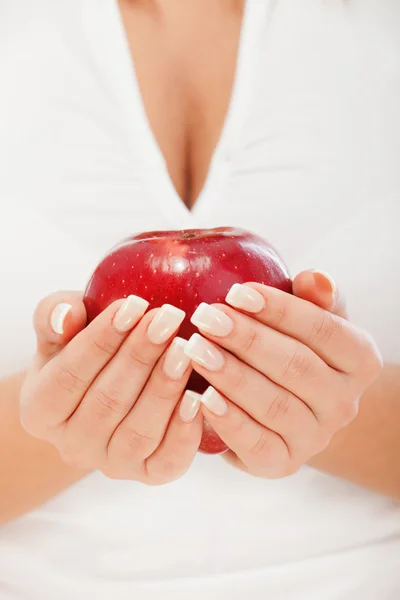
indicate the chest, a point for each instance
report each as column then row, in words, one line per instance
column 306, row 144
column 184, row 55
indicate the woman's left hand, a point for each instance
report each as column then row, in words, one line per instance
column 287, row 371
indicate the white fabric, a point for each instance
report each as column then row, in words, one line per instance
column 310, row 159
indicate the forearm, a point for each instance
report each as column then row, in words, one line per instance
column 31, row 471
column 367, row 452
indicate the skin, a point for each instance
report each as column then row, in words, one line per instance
column 292, row 375
column 103, row 399
column 173, row 47
column 179, row 50
column 35, row 471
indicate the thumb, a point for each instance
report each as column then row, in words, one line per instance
column 320, row 288
column 57, row 319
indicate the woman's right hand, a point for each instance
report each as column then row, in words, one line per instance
column 110, row 396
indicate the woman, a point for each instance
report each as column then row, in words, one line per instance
column 281, row 117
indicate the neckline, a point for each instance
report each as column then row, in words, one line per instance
column 120, row 60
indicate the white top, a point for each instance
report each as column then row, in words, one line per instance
column 309, row 158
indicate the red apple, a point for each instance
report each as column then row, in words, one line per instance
column 185, row 268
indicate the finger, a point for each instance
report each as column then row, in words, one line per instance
column 266, row 402
column 120, row 384
column 65, row 380
column 131, row 428
column 320, row 288
column 335, row 340
column 263, row 451
column 179, row 446
column 280, row 358
column 57, row 319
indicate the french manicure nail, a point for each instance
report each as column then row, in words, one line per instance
column 166, row 321
column 212, row 320
column 129, row 313
column 190, row 405
column 204, row 352
column 246, row 298
column 176, row 362
column 214, row 402
column 58, row 315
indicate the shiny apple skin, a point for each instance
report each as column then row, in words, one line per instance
column 185, row 268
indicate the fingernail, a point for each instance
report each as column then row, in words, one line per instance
column 324, row 280
column 131, row 311
column 166, row 321
column 58, row 315
column 212, row 320
column 244, row 297
column 176, row 362
column 204, row 353
column 190, row 405
column 214, row 402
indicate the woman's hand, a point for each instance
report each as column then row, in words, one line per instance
column 286, row 374
column 108, row 395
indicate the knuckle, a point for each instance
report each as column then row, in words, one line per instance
column 373, row 361
column 69, row 381
column 324, row 329
column 279, row 314
column 133, row 444
column 278, row 469
column 250, row 341
column 237, row 425
column 289, row 468
column 296, row 367
column 320, row 442
column 280, row 405
column 370, row 362
column 103, row 342
column 346, row 412
column 74, row 458
column 165, row 394
column 239, row 381
column 109, row 402
column 165, row 470
column 141, row 360
column 260, row 450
